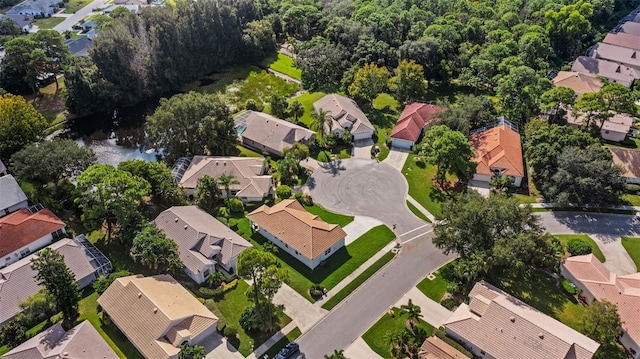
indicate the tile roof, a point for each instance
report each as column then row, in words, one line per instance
column 624, row 291
column 628, row 159
column 146, row 309
column 505, row 327
column 202, row 240
column 345, row 113
column 613, row 71
column 80, row 342
column 272, row 132
column 499, row 147
column 623, row 39
column 12, row 194
column 23, row 227
column 305, row 232
column 17, row 282
column 615, row 53
column 619, row 122
column 632, row 28
column 580, row 83
column 436, row 348
column 246, row 170
column 413, row 118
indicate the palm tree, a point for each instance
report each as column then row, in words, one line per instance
column 413, row 313
column 337, row 354
column 225, row 181
column 321, row 119
column 207, row 193
column 296, row 110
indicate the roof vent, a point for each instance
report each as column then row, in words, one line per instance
column 65, row 354
column 185, row 226
column 500, row 329
column 540, row 335
column 224, row 163
column 139, row 295
column 176, row 219
column 155, row 310
column 512, row 319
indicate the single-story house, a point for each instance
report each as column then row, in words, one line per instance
column 203, row 241
column 253, row 182
column 266, row 133
column 44, row 8
column 497, row 325
column 81, row 341
column 305, row 236
column 630, row 161
column 631, row 28
column 598, row 283
column 412, row 123
column 132, row 8
column 24, row 232
column 623, row 39
column 615, row 53
column 23, row 22
column 612, row 71
column 498, row 152
column 580, row 83
column 614, row 129
column 436, row 348
column 79, row 46
column 157, row 314
column 18, row 283
column 346, row 115
column 13, row 198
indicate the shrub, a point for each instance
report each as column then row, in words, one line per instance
column 230, row 332
column 215, row 279
column 248, row 319
column 578, row 247
column 104, row 281
column 252, row 105
column 210, row 293
column 449, row 303
column 222, row 324
column 283, row 191
column 236, row 205
column 631, row 188
column 231, row 285
column 233, row 223
column 270, row 247
column 298, row 196
column 307, row 200
column 316, row 291
column 12, row 334
column 569, row 288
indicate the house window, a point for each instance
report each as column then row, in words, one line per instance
column 327, row 251
column 7, row 259
column 606, row 131
column 287, row 246
column 57, row 233
column 296, row 252
column 25, row 252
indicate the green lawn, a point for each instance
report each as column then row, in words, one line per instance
column 435, row 288
column 420, row 179
column 383, row 135
column 4, row 349
column 74, row 5
column 293, row 335
column 417, row 212
column 49, row 22
column 342, row 263
column 230, row 307
column 385, row 100
column 524, row 199
column 329, row 217
column 307, row 99
column 354, row 284
column 631, row 199
column 632, row 245
column 565, row 238
column 375, row 337
column 245, row 152
column 284, row 64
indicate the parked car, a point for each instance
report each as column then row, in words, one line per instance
column 288, row 351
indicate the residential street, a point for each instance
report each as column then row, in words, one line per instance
column 357, row 313
column 79, row 15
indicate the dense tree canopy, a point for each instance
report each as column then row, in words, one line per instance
column 159, row 177
column 153, row 249
column 20, row 124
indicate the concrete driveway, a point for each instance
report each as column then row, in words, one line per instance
column 362, row 149
column 396, row 158
column 359, row 226
column 604, row 228
column 367, row 188
column 217, row 347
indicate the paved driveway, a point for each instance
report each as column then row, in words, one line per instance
column 606, row 229
column 366, row 188
column 359, row 226
column 362, row 149
column 397, row 158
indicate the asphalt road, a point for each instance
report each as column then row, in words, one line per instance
column 350, row 319
column 79, row 15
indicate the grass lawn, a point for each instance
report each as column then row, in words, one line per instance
column 230, row 307
column 307, row 99
column 74, row 5
column 539, row 291
column 88, row 307
column 49, row 22
column 383, row 135
column 283, row 64
column 118, row 254
column 565, row 238
column 349, row 288
column 631, row 199
column 417, row 212
column 385, row 100
column 4, row 349
column 329, row 217
column 293, row 335
column 375, row 337
column 524, row 199
column 632, row 245
column 342, row 263
column 420, row 181
column 245, row 152
column 435, row 288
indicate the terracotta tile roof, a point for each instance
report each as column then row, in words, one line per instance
column 17, row 282
column 632, row 28
column 624, row 291
column 628, row 159
column 613, row 71
column 345, row 113
column 508, row 328
column 273, row 133
column 202, row 240
column 146, row 309
column 499, row 147
column 81, row 341
column 23, row 227
column 580, row 83
column 305, row 232
column 436, row 348
column 413, row 118
column 623, row 39
column 248, row 171
column 12, row 194
column 615, row 53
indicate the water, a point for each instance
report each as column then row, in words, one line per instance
column 118, row 136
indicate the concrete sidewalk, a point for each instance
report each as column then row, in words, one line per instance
column 421, row 209
column 360, row 349
column 359, row 226
column 397, row 158
column 302, row 312
column 433, row 313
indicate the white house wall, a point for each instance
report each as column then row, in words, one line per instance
column 33, row 247
column 15, row 207
column 629, row 343
column 613, row 135
column 517, row 180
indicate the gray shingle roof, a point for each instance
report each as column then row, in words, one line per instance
column 623, row 55
column 271, row 132
column 11, row 192
column 345, row 113
column 613, row 71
